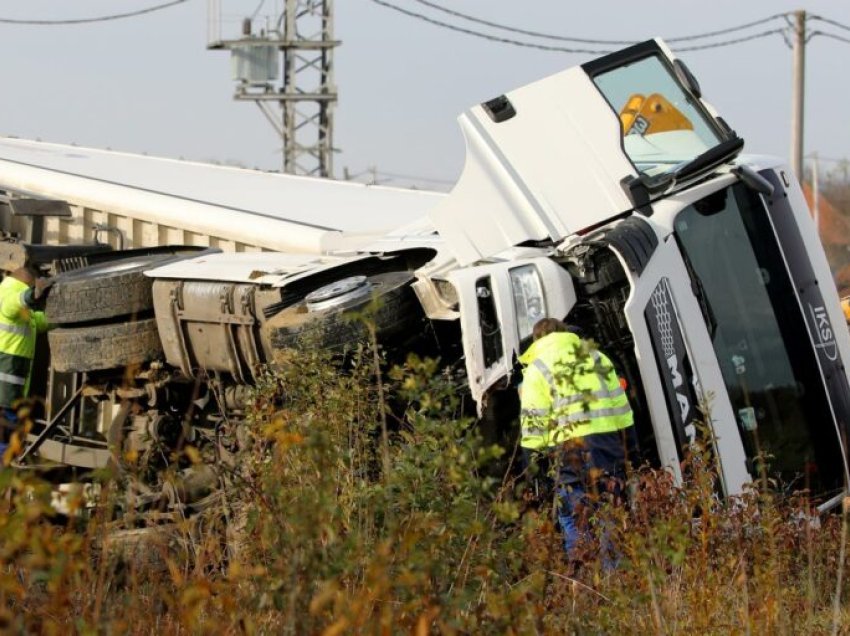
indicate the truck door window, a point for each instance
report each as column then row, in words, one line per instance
column 662, row 124
column 529, row 301
column 488, row 319
column 760, row 339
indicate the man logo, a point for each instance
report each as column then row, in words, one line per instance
column 681, row 397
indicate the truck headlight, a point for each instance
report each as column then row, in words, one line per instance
column 529, row 301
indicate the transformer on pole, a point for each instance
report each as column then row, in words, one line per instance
column 296, row 36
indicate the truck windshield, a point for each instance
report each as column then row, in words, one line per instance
column 662, row 125
column 767, row 360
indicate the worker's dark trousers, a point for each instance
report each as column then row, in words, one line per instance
column 583, row 472
column 8, row 423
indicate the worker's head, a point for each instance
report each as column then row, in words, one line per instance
column 26, row 275
column 545, row 326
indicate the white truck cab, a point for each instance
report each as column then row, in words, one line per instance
column 698, row 271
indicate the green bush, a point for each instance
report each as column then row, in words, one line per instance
column 366, row 503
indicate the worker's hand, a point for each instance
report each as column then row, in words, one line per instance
column 41, row 286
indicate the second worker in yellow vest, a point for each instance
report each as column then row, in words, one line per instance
column 19, row 325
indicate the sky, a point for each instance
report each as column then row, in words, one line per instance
column 148, row 84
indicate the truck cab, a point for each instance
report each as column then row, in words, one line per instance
column 695, row 268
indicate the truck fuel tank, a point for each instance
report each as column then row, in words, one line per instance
column 209, row 326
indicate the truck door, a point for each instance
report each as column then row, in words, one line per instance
column 499, row 305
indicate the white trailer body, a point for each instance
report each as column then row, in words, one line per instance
column 134, row 201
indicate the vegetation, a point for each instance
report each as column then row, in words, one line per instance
column 345, row 518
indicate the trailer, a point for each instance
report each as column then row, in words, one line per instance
column 68, row 195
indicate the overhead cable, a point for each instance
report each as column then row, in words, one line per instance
column 561, row 49
column 257, row 10
column 103, row 18
column 410, row 177
column 536, row 34
column 485, row 36
column 565, row 38
column 828, row 21
column 740, row 27
column 831, row 36
column 715, row 45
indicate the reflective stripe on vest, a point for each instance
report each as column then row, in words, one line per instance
column 21, row 331
column 559, row 402
column 12, row 379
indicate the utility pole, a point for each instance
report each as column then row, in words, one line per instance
column 815, row 192
column 301, row 37
column 798, row 98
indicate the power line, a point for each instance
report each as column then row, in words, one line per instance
column 564, row 38
column 485, row 36
column 374, row 173
column 257, row 10
column 714, row 45
column 410, row 177
column 831, row 36
column 828, row 21
column 536, row 34
column 740, row 27
column 103, row 18
column 544, row 47
column 832, row 159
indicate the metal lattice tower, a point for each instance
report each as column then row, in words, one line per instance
column 297, row 37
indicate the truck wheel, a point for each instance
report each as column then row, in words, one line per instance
column 113, row 346
column 108, row 290
column 322, row 322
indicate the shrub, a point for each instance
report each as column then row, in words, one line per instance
column 365, row 502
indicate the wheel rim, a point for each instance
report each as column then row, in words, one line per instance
column 339, row 293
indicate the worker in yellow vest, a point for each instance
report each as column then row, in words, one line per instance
column 577, row 425
column 20, row 322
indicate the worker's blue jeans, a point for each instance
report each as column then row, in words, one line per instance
column 574, row 508
column 567, row 470
column 570, row 501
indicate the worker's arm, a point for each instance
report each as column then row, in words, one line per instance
column 39, row 320
column 23, row 308
column 536, row 396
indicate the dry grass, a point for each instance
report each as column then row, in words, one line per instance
column 336, row 523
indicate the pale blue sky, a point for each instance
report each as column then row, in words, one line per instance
column 148, row 84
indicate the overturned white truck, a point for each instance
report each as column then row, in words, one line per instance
column 610, row 193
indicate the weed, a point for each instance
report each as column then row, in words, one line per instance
column 362, row 506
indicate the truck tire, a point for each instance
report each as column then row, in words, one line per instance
column 397, row 312
column 99, row 292
column 99, row 347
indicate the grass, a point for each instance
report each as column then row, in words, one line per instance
column 347, row 516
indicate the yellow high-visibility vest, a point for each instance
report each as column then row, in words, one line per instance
column 18, row 328
column 569, row 390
